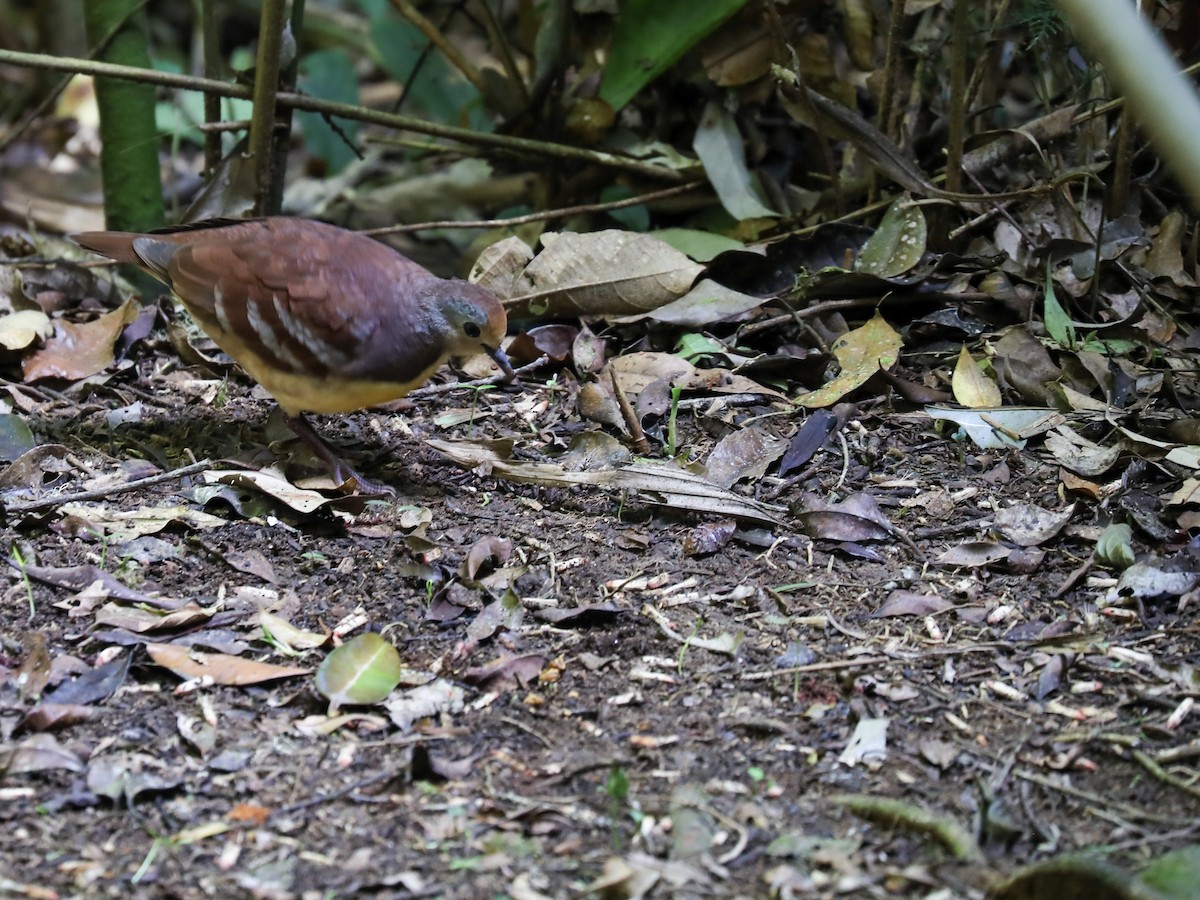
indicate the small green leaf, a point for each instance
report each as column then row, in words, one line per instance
column 692, row 346
column 1058, row 323
column 363, row 670
column 1115, row 547
column 1176, row 874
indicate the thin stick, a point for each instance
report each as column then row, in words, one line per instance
column 559, row 213
column 434, row 389
column 631, row 420
column 105, row 493
column 540, row 149
column 453, row 55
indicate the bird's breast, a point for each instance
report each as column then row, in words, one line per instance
column 329, row 391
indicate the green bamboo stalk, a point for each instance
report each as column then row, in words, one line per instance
column 133, row 198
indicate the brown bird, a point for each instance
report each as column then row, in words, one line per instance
column 327, row 320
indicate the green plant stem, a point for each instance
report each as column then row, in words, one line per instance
column 1144, row 70
column 266, row 89
column 129, row 162
column 672, row 433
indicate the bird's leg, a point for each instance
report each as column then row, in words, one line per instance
column 340, row 470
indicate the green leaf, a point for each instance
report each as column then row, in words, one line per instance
column 329, row 75
column 433, row 90
column 15, row 437
column 363, row 670
column 1176, row 874
column 701, row 246
column 718, row 143
column 897, row 244
column 1058, row 323
column 650, row 36
column 1114, row 547
column 692, row 346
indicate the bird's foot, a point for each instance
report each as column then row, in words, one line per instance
column 340, row 470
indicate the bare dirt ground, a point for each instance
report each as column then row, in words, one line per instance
column 634, row 748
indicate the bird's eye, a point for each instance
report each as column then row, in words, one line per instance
column 471, row 330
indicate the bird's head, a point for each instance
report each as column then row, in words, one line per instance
column 469, row 319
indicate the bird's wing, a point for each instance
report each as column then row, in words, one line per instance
column 308, row 302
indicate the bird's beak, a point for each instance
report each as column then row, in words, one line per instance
column 501, row 359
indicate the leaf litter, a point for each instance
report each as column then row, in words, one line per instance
column 780, row 565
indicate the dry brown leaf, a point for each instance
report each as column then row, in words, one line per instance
column 603, row 273
column 220, row 668
column 658, row 483
column 78, row 350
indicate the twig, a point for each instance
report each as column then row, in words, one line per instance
column 1147, row 762
column 831, row 666
column 452, row 54
column 561, row 212
column 435, row 389
column 526, row 146
column 334, row 795
column 1127, row 810
column 631, row 420
column 501, row 48
column 532, row 732
column 105, row 493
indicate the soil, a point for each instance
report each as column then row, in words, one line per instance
column 628, row 758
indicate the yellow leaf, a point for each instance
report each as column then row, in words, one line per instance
column 860, row 353
column 970, row 386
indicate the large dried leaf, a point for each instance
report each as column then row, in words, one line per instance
column 78, row 350
column 658, row 483
column 745, row 453
column 220, row 668
column 604, row 273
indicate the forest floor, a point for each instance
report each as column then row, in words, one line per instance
column 729, row 723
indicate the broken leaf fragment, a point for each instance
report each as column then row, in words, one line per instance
column 364, row 670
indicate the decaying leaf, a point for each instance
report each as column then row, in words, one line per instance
column 897, row 244
column 658, row 483
column 434, row 698
column 860, row 353
column 220, row 668
column 971, row 387
column 1029, row 525
column 602, row 273
column 78, row 350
